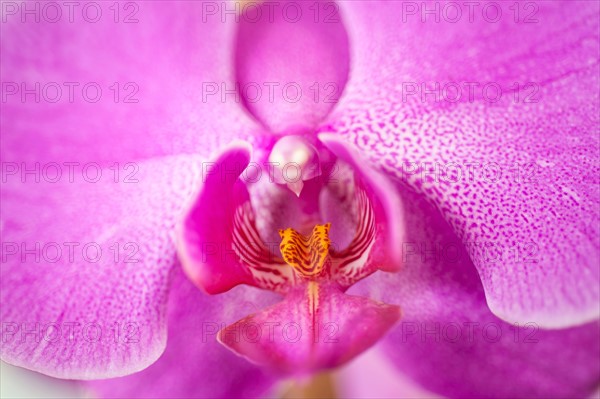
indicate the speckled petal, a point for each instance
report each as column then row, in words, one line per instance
column 85, row 90
column 517, row 173
column 85, row 268
column 194, row 364
column 81, row 95
column 450, row 342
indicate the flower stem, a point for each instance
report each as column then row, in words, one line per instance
column 321, row 386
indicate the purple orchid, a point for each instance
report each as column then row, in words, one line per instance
column 200, row 199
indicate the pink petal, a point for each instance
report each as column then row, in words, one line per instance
column 85, row 268
column 451, row 343
column 292, row 61
column 218, row 241
column 315, row 327
column 166, row 66
column 545, row 205
column 194, row 363
column 168, row 62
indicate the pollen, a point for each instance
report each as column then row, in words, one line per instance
column 307, row 255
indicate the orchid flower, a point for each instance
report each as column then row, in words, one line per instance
column 236, row 234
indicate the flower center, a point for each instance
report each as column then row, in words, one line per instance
column 307, row 255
